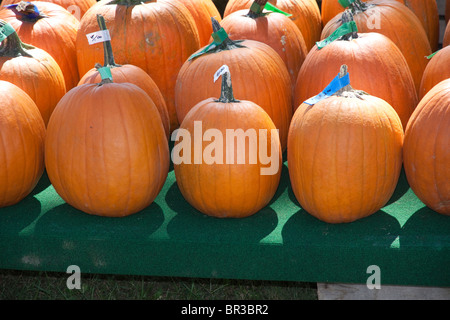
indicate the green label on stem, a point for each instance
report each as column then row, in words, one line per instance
column 271, row 7
column 218, row 37
column 433, row 54
column 105, row 73
column 346, row 28
column 5, row 31
column 345, row 3
column 256, row 8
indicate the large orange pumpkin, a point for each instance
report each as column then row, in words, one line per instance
column 305, row 15
column 131, row 74
column 202, row 11
column 395, row 21
column 76, row 7
column 344, row 155
column 224, row 184
column 106, row 151
column 426, row 150
column 377, row 67
column 53, row 30
column 437, row 70
column 22, row 135
column 329, row 9
column 274, row 29
column 157, row 36
column 259, row 74
column 33, row 70
column 428, row 14
column 425, row 10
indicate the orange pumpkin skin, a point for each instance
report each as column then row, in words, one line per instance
column 222, row 190
column 425, row 10
column 76, row 7
column 426, row 151
column 259, row 75
column 344, row 157
column 106, row 151
column 428, row 14
column 54, row 34
column 275, row 30
column 131, row 74
column 22, row 132
column 436, row 71
column 38, row 75
column 157, row 36
column 399, row 25
column 329, row 9
column 370, row 56
column 305, row 15
column 202, row 11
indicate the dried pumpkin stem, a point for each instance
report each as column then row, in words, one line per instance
column 227, row 44
column 128, row 3
column 26, row 11
column 12, row 46
column 347, row 16
column 348, row 91
column 107, row 48
column 256, row 9
column 226, row 93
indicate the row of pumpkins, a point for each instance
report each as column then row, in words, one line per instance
column 104, row 139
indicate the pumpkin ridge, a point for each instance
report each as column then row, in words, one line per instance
column 435, row 167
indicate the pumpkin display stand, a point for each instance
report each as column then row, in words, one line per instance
column 409, row 242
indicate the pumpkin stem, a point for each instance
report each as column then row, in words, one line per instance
column 347, row 16
column 226, row 93
column 227, row 43
column 358, row 6
column 26, row 11
column 128, row 3
column 107, row 48
column 12, row 46
column 348, row 91
column 256, row 9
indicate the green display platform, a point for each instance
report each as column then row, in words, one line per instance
column 407, row 241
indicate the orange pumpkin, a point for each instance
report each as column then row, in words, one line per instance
column 344, row 155
column 131, row 74
column 395, row 21
column 76, row 7
column 425, row 10
column 426, row 151
column 34, row 71
column 329, row 9
column 427, row 13
column 156, row 36
column 22, row 133
column 273, row 29
column 436, row 71
column 259, row 74
column 202, row 11
column 305, row 15
column 106, row 151
column 53, row 30
column 370, row 56
column 218, row 184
